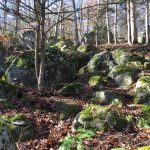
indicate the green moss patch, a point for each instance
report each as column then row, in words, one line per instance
column 18, row 126
column 144, row 148
column 95, row 80
column 102, row 118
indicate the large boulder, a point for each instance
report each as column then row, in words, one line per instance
column 100, row 62
column 19, row 128
column 122, row 56
column 123, row 75
column 88, row 49
column 60, row 67
column 64, row 44
column 22, row 76
column 142, row 90
column 96, row 81
column 107, row 97
column 20, row 69
column 100, row 118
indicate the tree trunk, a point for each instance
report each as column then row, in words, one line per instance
column 42, row 51
column 81, row 20
column 115, row 25
column 75, row 24
column 147, row 22
column 38, row 38
column 87, row 29
column 133, row 22
column 17, row 20
column 5, row 17
column 107, row 22
column 128, row 22
column 58, row 18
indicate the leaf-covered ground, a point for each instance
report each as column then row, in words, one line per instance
column 52, row 119
column 52, row 124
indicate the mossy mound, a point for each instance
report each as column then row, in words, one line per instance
column 100, row 118
column 95, row 81
column 142, row 90
column 24, row 61
column 72, row 89
column 8, row 91
column 123, row 75
column 144, row 148
column 88, row 49
column 107, row 97
column 122, row 56
column 18, row 126
column 100, row 62
column 135, row 64
column 64, row 44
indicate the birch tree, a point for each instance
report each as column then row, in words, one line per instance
column 133, row 22
column 128, row 22
column 75, row 24
column 115, row 25
column 147, row 22
column 107, row 21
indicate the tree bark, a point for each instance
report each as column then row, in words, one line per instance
column 128, row 22
column 147, row 22
column 58, row 18
column 42, row 51
column 75, row 24
column 133, row 22
column 107, row 22
column 115, row 25
column 17, row 20
column 5, row 16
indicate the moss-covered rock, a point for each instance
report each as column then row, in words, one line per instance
column 122, row 56
column 100, row 118
column 107, row 97
column 100, row 62
column 144, row 148
column 142, row 90
column 60, row 67
column 123, row 75
column 72, row 89
column 88, row 49
column 8, row 91
column 135, row 64
column 96, row 81
column 24, row 61
column 20, row 128
column 64, row 44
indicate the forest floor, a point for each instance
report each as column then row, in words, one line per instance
column 52, row 126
